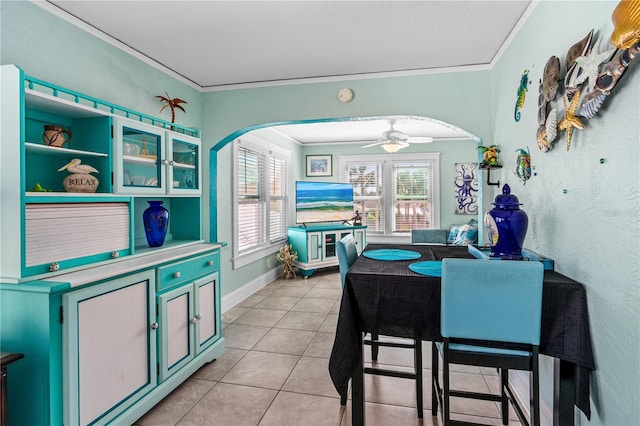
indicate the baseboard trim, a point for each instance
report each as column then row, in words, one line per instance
column 237, row 296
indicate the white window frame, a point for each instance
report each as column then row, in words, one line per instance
column 269, row 149
column 387, row 190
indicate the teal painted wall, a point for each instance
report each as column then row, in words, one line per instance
column 592, row 232
column 53, row 50
column 460, row 98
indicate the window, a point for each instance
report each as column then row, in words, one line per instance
column 395, row 193
column 260, row 199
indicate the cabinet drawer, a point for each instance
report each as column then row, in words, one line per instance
column 187, row 270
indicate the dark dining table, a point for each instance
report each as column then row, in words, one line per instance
column 388, row 298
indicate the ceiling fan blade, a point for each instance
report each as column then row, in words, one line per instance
column 420, row 139
column 372, row 144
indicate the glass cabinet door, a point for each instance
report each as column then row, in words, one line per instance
column 183, row 173
column 138, row 158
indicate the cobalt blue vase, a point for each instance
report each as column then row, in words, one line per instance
column 506, row 226
column 156, row 222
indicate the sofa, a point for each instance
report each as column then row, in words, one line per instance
column 460, row 235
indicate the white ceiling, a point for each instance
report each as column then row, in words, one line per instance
column 370, row 130
column 214, row 45
column 218, row 43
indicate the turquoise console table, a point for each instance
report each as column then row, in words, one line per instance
column 316, row 244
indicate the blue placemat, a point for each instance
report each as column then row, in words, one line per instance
column 428, row 267
column 391, row 254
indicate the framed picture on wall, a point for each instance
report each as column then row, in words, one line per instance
column 319, row 165
column 466, row 187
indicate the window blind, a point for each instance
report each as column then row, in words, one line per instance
column 251, row 214
column 368, row 183
column 411, row 197
column 277, row 199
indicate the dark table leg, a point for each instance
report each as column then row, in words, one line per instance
column 357, row 390
column 563, row 392
column 3, row 408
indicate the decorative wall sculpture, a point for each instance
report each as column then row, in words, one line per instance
column 592, row 72
column 523, row 165
column 522, row 92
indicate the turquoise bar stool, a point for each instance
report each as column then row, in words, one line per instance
column 347, row 254
column 490, row 317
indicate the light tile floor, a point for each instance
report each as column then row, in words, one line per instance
column 275, row 369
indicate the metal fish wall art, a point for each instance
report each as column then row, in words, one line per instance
column 523, row 165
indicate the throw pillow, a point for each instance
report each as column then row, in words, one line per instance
column 463, row 235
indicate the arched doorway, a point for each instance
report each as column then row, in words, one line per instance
column 346, row 131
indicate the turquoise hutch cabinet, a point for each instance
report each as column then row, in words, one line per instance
column 316, row 244
column 108, row 326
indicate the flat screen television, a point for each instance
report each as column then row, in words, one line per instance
column 323, row 202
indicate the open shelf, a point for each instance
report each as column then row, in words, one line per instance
column 35, row 148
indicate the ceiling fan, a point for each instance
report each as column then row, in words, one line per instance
column 394, row 140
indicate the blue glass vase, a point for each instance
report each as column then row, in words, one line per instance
column 506, row 226
column 156, row 222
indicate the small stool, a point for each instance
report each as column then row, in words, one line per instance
column 6, row 358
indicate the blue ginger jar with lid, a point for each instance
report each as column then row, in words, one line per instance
column 506, row 226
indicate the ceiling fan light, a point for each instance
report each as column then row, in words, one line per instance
column 393, row 146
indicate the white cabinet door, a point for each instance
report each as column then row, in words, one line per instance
column 149, row 160
column 109, row 347
column 183, row 164
column 360, row 235
column 314, row 247
column 176, row 320
column 140, row 158
column 329, row 240
column 206, row 308
column 187, row 322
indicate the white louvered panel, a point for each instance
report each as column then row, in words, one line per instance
column 57, row 232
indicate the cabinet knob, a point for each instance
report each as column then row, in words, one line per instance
column 165, row 162
column 194, row 320
column 177, row 274
column 171, row 162
column 115, row 255
column 154, row 326
column 198, row 317
column 210, row 263
column 55, row 266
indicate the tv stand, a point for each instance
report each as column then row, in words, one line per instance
column 316, row 244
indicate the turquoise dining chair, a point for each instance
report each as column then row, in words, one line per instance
column 347, row 255
column 487, row 306
column 429, row 236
